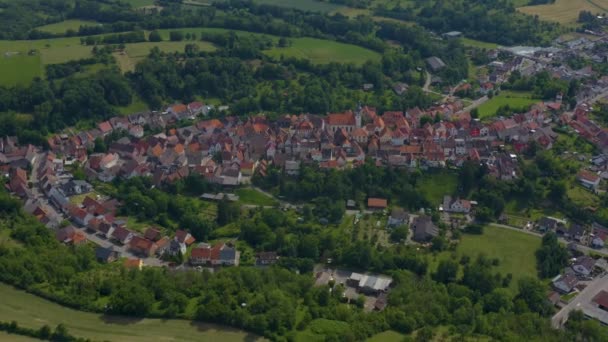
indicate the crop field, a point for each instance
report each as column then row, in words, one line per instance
column 71, row 24
column 324, row 51
column 566, row 11
column 19, row 69
column 517, row 100
column 33, row 312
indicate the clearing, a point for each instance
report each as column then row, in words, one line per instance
column 516, row 100
column 324, row 51
column 135, row 52
column 436, row 184
column 33, row 312
column 252, row 196
column 515, row 251
column 566, row 11
column 19, row 69
column 70, row 24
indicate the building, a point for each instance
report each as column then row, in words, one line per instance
column 142, row 246
column 377, row 203
column 588, row 179
column 584, row 266
column 219, row 255
column 266, row 258
column 106, row 255
column 399, row 217
column 424, row 229
column 435, row 63
column 369, row 284
column 565, row 283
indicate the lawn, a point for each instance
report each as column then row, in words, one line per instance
column 19, row 69
column 139, row 3
column 33, row 312
column 63, row 26
column 518, row 100
column 253, row 197
column 77, row 199
column 435, row 185
column 566, row 11
column 6, row 337
column 387, row 336
column 324, row 51
column 478, row 44
column 138, row 105
column 582, row 196
column 56, row 50
column 137, row 51
column 515, row 251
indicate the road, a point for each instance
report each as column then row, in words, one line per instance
column 558, row 320
column 475, row 104
column 580, row 248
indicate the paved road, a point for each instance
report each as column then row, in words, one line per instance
column 475, row 104
column 598, row 284
column 580, row 248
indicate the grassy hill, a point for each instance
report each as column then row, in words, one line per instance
column 33, row 312
column 71, row 24
column 565, row 11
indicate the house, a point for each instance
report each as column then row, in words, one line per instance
column 424, row 229
column 76, row 187
column 377, row 203
column 105, row 255
column 584, row 266
column 399, row 217
column 71, row 236
column 456, row 206
column 183, row 237
column 142, row 246
column 134, row 264
column 577, row 231
column 435, row 63
column 163, row 245
column 565, row 283
column 266, row 258
column 400, row 88
column 547, row 224
column 122, row 235
column 219, row 255
column 152, row 234
column 588, row 179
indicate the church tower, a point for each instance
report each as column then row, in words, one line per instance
column 358, row 115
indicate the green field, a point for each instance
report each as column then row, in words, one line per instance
column 435, row 185
column 478, row 44
column 304, row 5
column 19, row 69
column 63, row 26
column 515, row 251
column 137, row 51
column 324, row 51
column 139, row 3
column 518, row 100
column 254, row 197
column 57, row 50
column 387, row 336
column 566, row 11
column 5, row 337
column 33, row 312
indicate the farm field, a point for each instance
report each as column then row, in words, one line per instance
column 19, row 69
column 33, row 312
column 324, row 51
column 63, row 26
column 566, row 11
column 478, row 43
column 515, row 251
column 6, row 337
column 518, row 100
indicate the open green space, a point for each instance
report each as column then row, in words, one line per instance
column 33, row 312
column 582, row 197
column 387, row 336
column 434, row 185
column 6, row 337
column 254, row 197
column 478, row 44
column 139, row 3
column 304, row 5
column 514, row 250
column 517, row 100
column 19, row 69
column 565, row 11
column 70, row 24
column 324, row 51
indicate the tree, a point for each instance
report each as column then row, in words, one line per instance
column 551, row 257
column 155, row 36
column 176, row 36
column 447, row 271
column 533, row 293
column 131, row 300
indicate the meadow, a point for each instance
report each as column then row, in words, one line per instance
column 19, row 69
column 514, row 250
column 435, row 185
column 304, row 5
column 70, row 24
column 566, row 11
column 254, row 197
column 517, row 100
column 33, row 312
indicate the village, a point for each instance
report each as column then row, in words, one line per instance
column 197, row 139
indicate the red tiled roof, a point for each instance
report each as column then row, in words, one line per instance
column 377, row 202
column 341, row 119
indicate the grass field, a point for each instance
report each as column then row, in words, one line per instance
column 436, row 185
column 19, row 69
column 582, row 196
column 63, row 26
column 139, row 3
column 566, row 11
column 518, row 100
column 304, row 5
column 478, row 44
column 325, row 51
column 515, row 251
column 387, row 336
column 254, row 197
column 33, row 312
column 137, row 51
column 5, row 337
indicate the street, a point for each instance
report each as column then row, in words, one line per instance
column 584, row 298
